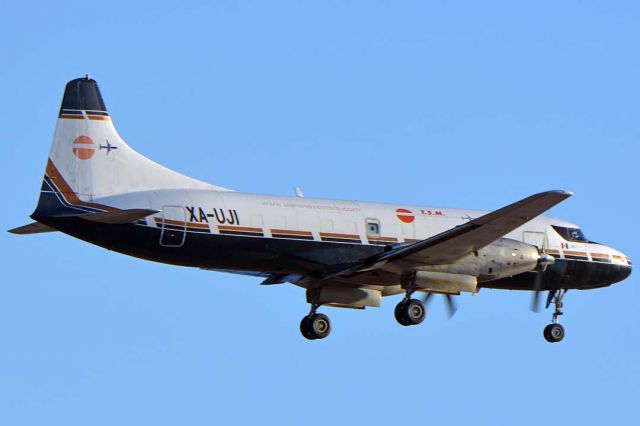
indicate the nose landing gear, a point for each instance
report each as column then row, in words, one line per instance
column 554, row 332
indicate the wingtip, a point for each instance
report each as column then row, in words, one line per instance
column 562, row 192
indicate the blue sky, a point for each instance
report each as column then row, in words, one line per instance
column 460, row 104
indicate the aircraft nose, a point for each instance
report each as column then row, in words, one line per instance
column 623, row 270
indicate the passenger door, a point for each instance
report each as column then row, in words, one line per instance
column 173, row 226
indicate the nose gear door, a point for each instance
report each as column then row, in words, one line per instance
column 173, row 231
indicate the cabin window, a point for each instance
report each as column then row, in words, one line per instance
column 571, row 234
column 373, row 227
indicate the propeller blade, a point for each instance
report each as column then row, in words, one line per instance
column 448, row 301
column 535, row 298
column 535, row 302
column 451, row 305
column 427, row 298
column 550, row 296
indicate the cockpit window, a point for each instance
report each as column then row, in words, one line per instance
column 571, row 234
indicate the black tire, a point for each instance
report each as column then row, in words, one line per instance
column 305, row 328
column 554, row 333
column 319, row 326
column 410, row 312
column 399, row 314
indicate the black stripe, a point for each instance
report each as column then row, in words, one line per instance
column 203, row 230
column 341, row 240
column 601, row 259
column 570, row 257
column 174, row 227
column 293, row 237
column 380, row 243
column 243, row 233
column 64, row 202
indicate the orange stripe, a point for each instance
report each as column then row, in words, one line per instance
column 285, row 231
column 99, row 117
column 77, row 117
column 553, row 252
column 180, row 223
column 603, row 255
column 198, row 225
column 385, row 239
column 575, row 253
column 238, row 228
column 334, row 235
column 67, row 192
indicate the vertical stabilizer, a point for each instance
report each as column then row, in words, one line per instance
column 89, row 160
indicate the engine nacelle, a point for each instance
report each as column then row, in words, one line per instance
column 502, row 258
column 506, row 257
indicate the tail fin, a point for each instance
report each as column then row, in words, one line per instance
column 89, row 160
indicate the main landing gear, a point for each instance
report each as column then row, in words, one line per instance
column 410, row 311
column 315, row 326
column 554, row 332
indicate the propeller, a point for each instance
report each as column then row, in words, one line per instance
column 538, row 284
column 448, row 301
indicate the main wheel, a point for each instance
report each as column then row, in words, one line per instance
column 399, row 314
column 315, row 326
column 553, row 333
column 410, row 312
column 305, row 328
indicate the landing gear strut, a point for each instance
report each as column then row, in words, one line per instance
column 315, row 326
column 410, row 311
column 554, row 332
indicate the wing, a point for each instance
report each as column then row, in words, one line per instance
column 454, row 243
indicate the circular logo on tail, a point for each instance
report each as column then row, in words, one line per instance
column 405, row 215
column 83, row 147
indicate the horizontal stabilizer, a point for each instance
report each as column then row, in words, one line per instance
column 32, row 228
column 119, row 217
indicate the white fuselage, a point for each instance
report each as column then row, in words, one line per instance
column 227, row 212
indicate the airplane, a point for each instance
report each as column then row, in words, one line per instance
column 346, row 254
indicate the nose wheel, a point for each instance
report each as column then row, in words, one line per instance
column 554, row 332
